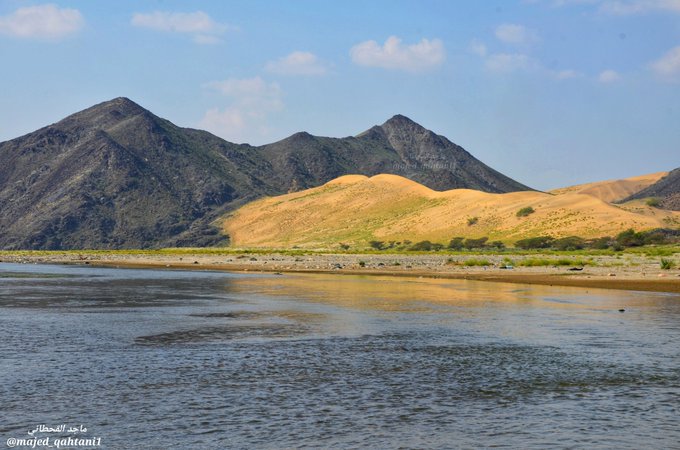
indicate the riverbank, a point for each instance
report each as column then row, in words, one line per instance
column 627, row 272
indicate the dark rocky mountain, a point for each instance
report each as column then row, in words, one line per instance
column 399, row 146
column 117, row 176
column 667, row 190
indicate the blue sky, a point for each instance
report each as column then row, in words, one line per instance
column 549, row 92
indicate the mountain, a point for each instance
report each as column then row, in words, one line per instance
column 399, row 146
column 393, row 208
column 666, row 189
column 613, row 190
column 117, row 176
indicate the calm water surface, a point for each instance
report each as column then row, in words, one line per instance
column 203, row 360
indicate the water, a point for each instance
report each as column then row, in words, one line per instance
column 184, row 359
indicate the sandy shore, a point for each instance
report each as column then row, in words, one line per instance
column 628, row 272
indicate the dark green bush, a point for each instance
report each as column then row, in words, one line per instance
column 378, row 245
column 498, row 245
column 630, row 238
column 456, row 243
column 471, row 244
column 422, row 246
column 535, row 242
column 525, row 211
column 653, row 202
column 569, row 243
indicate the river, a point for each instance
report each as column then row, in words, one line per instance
column 173, row 359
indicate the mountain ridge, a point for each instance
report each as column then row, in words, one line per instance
column 115, row 175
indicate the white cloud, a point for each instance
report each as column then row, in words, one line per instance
column 668, row 66
column 621, row 7
column 510, row 62
column 608, row 76
column 206, row 39
column 423, row 56
column 252, row 100
column 198, row 24
column 566, row 74
column 625, row 7
column 515, row 34
column 478, row 48
column 42, row 22
column 297, row 63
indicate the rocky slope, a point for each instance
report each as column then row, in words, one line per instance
column 399, row 146
column 667, row 190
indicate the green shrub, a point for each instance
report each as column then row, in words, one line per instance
column 362, row 264
column 630, row 238
column 569, row 243
column 525, row 211
column 535, row 242
column 477, row 262
column 422, row 246
column 497, row 245
column 456, row 243
column 653, row 202
column 378, row 245
column 472, row 220
column 667, row 264
column 602, row 243
column 475, row 243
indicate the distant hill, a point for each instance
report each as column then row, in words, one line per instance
column 389, row 207
column 117, row 176
column 613, row 190
column 666, row 189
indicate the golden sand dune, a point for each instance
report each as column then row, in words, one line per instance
column 613, row 190
column 356, row 209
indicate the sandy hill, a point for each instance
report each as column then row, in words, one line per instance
column 356, row 209
column 613, row 190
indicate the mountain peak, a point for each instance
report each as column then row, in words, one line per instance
column 121, row 104
column 105, row 115
column 400, row 121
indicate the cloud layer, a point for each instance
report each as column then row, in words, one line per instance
column 251, row 101
column 620, row 7
column 47, row 22
column 668, row 66
column 420, row 57
column 297, row 63
column 199, row 25
column 608, row 76
column 515, row 34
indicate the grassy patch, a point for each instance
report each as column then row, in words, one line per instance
column 666, row 264
column 542, row 262
column 476, row 262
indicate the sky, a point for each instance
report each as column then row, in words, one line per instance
column 549, row 92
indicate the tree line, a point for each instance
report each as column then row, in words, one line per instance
column 625, row 239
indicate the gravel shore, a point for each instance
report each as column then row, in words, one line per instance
column 629, row 272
